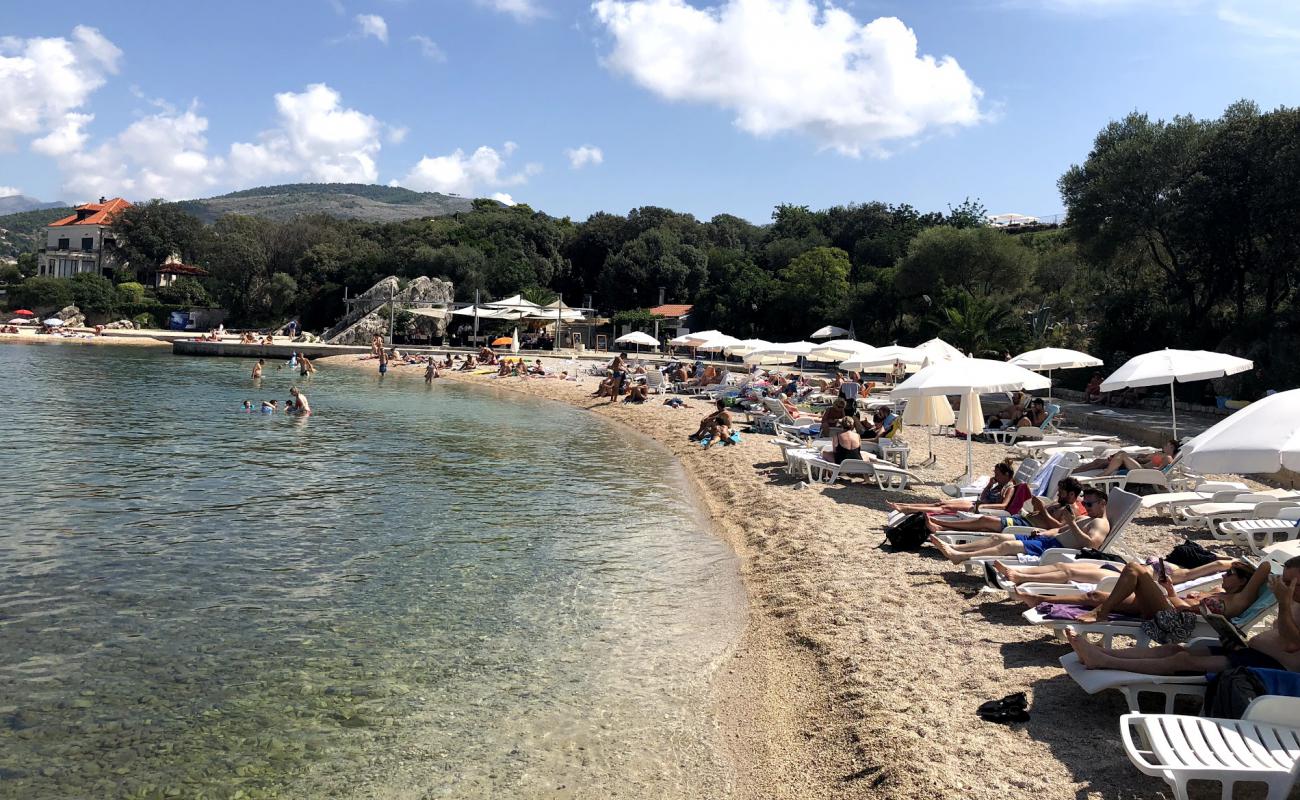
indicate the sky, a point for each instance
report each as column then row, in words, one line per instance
column 726, row 106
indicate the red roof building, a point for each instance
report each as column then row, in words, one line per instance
column 100, row 213
column 167, row 274
column 82, row 241
column 672, row 311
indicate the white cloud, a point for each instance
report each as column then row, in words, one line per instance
column 161, row 155
column 1278, row 20
column 316, row 139
column 580, row 157
column 792, row 65
column 521, row 10
column 458, row 173
column 396, row 134
column 429, row 48
column 372, row 25
column 68, row 137
column 505, row 199
column 43, row 79
column 9, row 191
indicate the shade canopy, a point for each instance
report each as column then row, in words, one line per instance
column 718, row 343
column 885, row 358
column 517, row 303
column 1261, row 438
column 779, row 353
column 698, row 337
column 966, row 375
column 827, row 332
column 937, row 350
column 840, row 349
column 22, row 312
column 929, row 411
column 1051, row 358
column 483, row 312
column 637, row 338
column 1166, row 366
column 746, row 346
column 434, row 313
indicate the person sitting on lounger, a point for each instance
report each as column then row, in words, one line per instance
column 1008, row 414
column 1034, row 416
column 995, row 494
column 1092, row 394
column 1120, row 463
column 1038, row 515
column 1276, row 648
column 831, row 416
column 846, row 444
column 1074, row 533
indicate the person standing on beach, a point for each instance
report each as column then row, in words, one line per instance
column 257, row 368
column 431, row 371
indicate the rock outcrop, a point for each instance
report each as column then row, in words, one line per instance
column 368, row 316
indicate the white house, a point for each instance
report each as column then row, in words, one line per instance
column 76, row 243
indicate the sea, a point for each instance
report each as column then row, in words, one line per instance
column 416, row 592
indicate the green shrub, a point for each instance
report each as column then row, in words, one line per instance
column 145, row 320
column 42, row 292
column 130, row 292
column 93, row 293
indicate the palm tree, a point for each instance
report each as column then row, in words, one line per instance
column 979, row 324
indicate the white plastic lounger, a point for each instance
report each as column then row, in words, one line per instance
column 1259, row 534
column 1133, row 628
column 1203, row 493
column 1134, row 684
column 1222, row 509
column 1263, row 746
column 887, row 476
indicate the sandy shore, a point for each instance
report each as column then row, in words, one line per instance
column 860, row 670
column 130, row 338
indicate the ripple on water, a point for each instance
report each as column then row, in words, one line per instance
column 430, row 592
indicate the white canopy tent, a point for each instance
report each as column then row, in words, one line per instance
column 968, row 377
column 839, row 350
column 1166, row 366
column 1260, row 439
column 1053, row 358
column 827, row 332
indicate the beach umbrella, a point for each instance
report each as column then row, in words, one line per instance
column 932, row 411
column 1261, row 438
column 827, row 332
column 637, row 338
column 937, row 350
column 968, row 377
column 502, row 341
column 699, row 337
column 53, row 322
column 1054, row 358
column 839, row 350
column 18, row 321
column 746, row 346
column 718, row 343
column 779, row 353
column 22, row 312
column 1166, row 366
column 887, row 356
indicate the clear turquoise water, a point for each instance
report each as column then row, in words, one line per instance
column 417, row 592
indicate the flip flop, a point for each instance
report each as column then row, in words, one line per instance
column 1006, row 716
column 1011, row 702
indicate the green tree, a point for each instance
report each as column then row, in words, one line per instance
column 10, row 273
column 813, row 290
column 979, row 261
column 130, row 293
column 147, row 233
column 28, row 264
column 184, row 291
column 281, row 293
column 93, row 293
column 981, row 325
column 237, row 261
column 42, row 294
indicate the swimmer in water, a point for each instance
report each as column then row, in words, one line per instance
column 257, row 368
column 269, row 407
column 248, row 405
column 302, row 408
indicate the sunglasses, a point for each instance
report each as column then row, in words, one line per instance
column 1241, row 573
column 1088, row 503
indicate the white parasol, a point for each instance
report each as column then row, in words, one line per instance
column 1166, row 366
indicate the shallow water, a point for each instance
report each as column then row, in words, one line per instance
column 416, row 592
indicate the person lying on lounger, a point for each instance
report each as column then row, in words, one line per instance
column 1038, row 515
column 1148, row 592
column 1074, row 533
column 995, row 494
column 1064, row 572
column 1276, row 648
column 1120, row 463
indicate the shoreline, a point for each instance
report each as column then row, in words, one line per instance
column 860, row 669
column 767, row 687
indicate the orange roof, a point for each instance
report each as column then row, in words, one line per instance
column 176, row 268
column 671, row 310
column 94, row 213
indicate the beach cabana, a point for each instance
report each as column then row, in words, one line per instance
column 968, row 377
column 1166, row 366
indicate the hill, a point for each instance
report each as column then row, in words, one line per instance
column 16, row 203
column 23, row 232
column 343, row 200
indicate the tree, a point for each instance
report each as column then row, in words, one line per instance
column 93, row 293
column 42, row 293
column 184, row 291
column 130, row 293
column 281, row 293
column 981, row 326
column 813, row 290
column 10, row 273
column 979, row 261
column 237, row 260
column 148, row 233
column 27, row 264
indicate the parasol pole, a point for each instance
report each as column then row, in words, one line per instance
column 1173, row 407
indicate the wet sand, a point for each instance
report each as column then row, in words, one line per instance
column 860, row 669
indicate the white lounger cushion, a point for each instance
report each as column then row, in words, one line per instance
column 1132, row 684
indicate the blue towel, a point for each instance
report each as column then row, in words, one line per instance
column 1279, row 681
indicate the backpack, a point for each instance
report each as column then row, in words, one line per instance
column 1230, row 692
column 909, row 533
column 1190, row 555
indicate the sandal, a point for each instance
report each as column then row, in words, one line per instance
column 1012, row 702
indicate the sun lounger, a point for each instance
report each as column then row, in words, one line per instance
column 1203, row 493
column 1135, row 684
column 1258, row 534
column 1262, row 746
column 1035, row 446
column 886, row 475
column 1010, row 436
column 1230, row 506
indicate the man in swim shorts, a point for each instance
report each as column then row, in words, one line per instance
column 1038, row 515
column 1073, row 533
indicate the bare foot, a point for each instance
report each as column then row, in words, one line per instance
column 1089, row 654
column 1003, row 570
column 1088, row 618
column 943, row 548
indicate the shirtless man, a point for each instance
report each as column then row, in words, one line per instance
column 431, row 371
column 1089, row 532
column 1276, row 648
column 303, row 407
column 1040, row 515
column 258, row 367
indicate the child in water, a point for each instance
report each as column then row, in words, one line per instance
column 269, row 407
column 248, row 406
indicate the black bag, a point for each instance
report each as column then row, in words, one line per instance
column 909, row 533
column 1098, row 555
column 1190, row 555
column 1230, row 693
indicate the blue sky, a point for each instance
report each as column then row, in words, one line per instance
column 575, row 107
